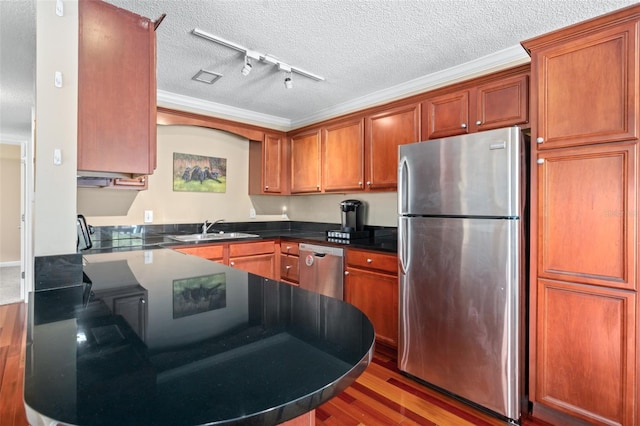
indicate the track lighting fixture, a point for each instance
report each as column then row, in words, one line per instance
column 288, row 83
column 246, row 69
column 261, row 57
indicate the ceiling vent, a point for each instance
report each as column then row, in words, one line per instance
column 205, row 76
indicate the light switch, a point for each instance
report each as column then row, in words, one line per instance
column 57, row 79
column 57, row 156
column 59, row 8
column 148, row 216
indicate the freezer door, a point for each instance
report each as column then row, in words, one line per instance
column 459, row 311
column 471, row 175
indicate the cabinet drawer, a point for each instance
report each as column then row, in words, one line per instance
column 207, row 252
column 370, row 260
column 289, row 247
column 248, row 249
column 289, row 268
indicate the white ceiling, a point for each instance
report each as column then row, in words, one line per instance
column 369, row 51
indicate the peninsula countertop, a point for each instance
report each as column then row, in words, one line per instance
column 163, row 338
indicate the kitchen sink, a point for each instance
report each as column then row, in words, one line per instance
column 214, row 236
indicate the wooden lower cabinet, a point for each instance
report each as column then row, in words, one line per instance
column 371, row 285
column 289, row 267
column 586, row 352
column 210, row 252
column 256, row 257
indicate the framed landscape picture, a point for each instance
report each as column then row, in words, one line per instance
column 196, row 295
column 197, row 173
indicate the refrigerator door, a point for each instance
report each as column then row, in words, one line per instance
column 459, row 315
column 470, row 175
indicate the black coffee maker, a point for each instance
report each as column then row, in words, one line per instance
column 352, row 213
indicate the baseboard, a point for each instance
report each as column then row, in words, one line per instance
column 7, row 264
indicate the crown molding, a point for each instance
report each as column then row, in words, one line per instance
column 181, row 102
column 503, row 59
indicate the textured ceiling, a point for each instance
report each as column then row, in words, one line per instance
column 368, row 51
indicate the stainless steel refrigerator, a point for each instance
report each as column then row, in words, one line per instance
column 461, row 275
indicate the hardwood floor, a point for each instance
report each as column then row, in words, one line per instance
column 380, row 397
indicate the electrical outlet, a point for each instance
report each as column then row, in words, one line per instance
column 252, row 213
column 148, row 216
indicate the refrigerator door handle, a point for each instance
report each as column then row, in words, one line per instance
column 403, row 186
column 403, row 244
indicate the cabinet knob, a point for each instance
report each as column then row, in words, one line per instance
column 288, row 248
column 540, row 160
column 232, row 263
column 266, row 187
column 346, row 272
column 287, row 267
column 369, row 260
column 539, row 139
column 360, row 184
column 368, row 183
column 478, row 123
column 143, row 301
column 463, row 125
column 318, row 187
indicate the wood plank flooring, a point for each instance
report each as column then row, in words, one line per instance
column 380, row 397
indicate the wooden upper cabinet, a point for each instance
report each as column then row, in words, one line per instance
column 585, row 88
column 116, row 90
column 343, row 156
column 502, row 103
column 587, row 215
column 272, row 169
column 386, row 131
column 305, row 162
column 446, row 115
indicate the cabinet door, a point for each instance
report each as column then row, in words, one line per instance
column 586, row 88
column 446, row 115
column 305, row 162
column 213, row 252
column 377, row 296
column 272, row 164
column 587, row 215
column 384, row 133
column 343, row 156
column 116, row 90
column 502, row 103
column 586, row 351
column 262, row 264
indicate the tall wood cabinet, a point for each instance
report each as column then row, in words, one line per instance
column 116, row 90
column 584, row 327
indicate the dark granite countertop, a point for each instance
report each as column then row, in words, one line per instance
column 163, row 338
column 124, row 238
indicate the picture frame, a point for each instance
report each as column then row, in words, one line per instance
column 199, row 173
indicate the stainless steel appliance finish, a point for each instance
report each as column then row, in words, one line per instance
column 461, row 278
column 322, row 269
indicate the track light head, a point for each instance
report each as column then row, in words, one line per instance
column 246, row 69
column 288, row 83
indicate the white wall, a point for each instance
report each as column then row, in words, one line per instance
column 10, row 170
column 56, row 127
column 381, row 208
column 103, row 206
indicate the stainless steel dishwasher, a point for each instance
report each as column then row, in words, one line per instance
column 321, row 269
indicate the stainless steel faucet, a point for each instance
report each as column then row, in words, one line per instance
column 206, row 225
